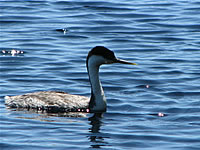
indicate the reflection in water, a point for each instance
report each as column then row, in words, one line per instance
column 96, row 138
column 46, row 116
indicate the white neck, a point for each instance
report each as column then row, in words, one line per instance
column 97, row 100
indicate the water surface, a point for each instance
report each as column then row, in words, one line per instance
column 161, row 36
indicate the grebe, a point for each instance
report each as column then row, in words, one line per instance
column 63, row 102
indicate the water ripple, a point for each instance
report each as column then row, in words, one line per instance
column 162, row 37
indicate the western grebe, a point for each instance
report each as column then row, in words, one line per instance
column 64, row 102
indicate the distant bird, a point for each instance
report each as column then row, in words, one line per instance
column 63, row 102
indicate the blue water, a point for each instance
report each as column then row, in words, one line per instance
column 162, row 37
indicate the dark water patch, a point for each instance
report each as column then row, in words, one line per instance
column 177, row 26
column 108, row 8
column 108, row 22
column 127, row 15
column 190, row 50
column 63, row 3
column 170, row 60
column 169, row 38
column 110, row 28
column 192, row 94
column 184, row 118
column 21, row 18
column 171, row 73
column 196, row 9
column 181, row 94
column 14, row 22
column 149, row 20
column 19, row 8
column 152, row 32
column 76, row 37
column 36, row 45
column 160, row 68
column 97, row 3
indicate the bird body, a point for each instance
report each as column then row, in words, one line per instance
column 51, row 101
column 64, row 102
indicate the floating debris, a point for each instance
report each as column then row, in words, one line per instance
column 161, row 114
column 12, row 52
column 62, row 30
